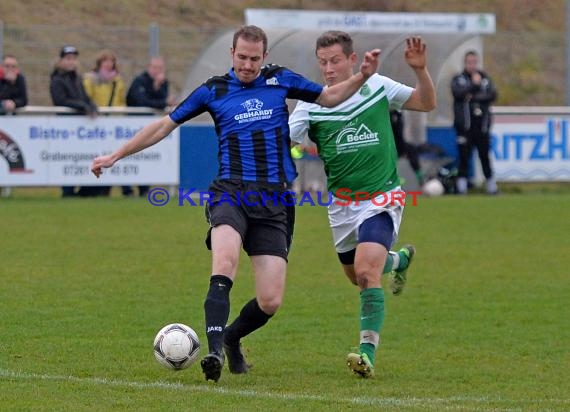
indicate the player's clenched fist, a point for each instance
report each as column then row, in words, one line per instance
column 101, row 162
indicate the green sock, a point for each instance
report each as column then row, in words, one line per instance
column 371, row 319
column 420, row 176
column 389, row 263
column 395, row 260
column 403, row 263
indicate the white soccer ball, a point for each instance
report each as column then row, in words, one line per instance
column 176, row 346
column 433, row 187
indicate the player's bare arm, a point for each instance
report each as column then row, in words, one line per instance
column 334, row 95
column 423, row 97
column 150, row 134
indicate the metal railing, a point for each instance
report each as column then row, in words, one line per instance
column 521, row 110
column 126, row 110
column 118, row 110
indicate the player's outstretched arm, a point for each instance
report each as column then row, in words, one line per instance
column 334, row 95
column 150, row 134
column 423, row 97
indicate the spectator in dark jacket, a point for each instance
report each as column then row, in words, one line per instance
column 66, row 85
column 13, row 93
column 66, row 89
column 149, row 89
column 473, row 93
column 404, row 148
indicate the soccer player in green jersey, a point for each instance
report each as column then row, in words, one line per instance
column 356, row 143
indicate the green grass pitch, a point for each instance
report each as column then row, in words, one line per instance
column 482, row 325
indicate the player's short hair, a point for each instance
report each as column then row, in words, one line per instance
column 332, row 37
column 252, row 34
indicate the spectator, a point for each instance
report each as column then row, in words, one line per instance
column 66, row 87
column 473, row 92
column 403, row 147
column 67, row 90
column 104, row 84
column 150, row 89
column 13, row 93
column 106, row 87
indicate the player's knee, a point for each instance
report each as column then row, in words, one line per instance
column 367, row 275
column 226, row 265
column 270, row 304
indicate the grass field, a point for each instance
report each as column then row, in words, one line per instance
column 482, row 325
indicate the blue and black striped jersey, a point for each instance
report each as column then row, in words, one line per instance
column 251, row 121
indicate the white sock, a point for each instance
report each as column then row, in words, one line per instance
column 491, row 185
column 462, row 185
column 396, row 260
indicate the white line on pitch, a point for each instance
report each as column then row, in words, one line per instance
column 275, row 395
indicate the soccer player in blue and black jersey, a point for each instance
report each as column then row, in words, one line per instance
column 248, row 106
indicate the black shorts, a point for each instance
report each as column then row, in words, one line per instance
column 263, row 215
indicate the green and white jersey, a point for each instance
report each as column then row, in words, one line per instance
column 355, row 139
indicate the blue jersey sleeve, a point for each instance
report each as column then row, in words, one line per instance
column 195, row 104
column 301, row 88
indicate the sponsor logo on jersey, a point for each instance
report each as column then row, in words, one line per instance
column 254, row 111
column 252, row 104
column 351, row 138
column 365, row 90
column 272, row 82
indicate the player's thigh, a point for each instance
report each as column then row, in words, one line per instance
column 376, row 236
column 344, row 227
column 381, row 221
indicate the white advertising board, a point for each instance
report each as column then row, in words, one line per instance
column 58, row 151
column 531, row 147
column 274, row 19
